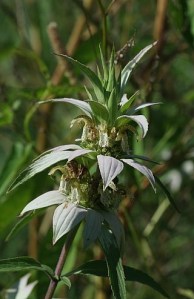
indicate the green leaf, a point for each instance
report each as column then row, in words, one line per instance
column 116, row 227
column 40, row 164
column 139, row 119
column 135, row 109
column 65, row 218
column 140, row 157
column 98, row 89
column 132, row 274
column 92, row 228
column 169, row 196
column 24, row 263
column 112, row 106
column 126, row 103
column 104, row 66
column 24, row 220
column 80, row 104
column 109, row 169
column 114, row 263
column 143, row 169
column 65, row 280
column 47, row 199
column 131, row 64
column 78, row 153
column 100, row 112
column 99, row 268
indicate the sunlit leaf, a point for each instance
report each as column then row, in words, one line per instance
column 131, row 64
column 45, row 200
column 85, row 107
column 139, row 119
column 65, row 218
column 61, row 148
column 92, row 226
column 78, row 153
column 41, row 163
column 99, row 268
column 143, row 169
column 135, row 109
column 169, row 196
column 114, row 263
column 109, row 169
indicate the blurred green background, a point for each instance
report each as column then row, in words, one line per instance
column 159, row 241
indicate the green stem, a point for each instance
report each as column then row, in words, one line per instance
column 60, row 264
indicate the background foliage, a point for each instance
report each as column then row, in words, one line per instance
column 160, row 240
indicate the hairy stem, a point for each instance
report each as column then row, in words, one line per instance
column 61, row 261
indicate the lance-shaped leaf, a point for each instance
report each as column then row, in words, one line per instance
column 24, row 263
column 85, row 107
column 98, row 89
column 41, row 163
column 140, row 157
column 135, row 109
column 114, row 263
column 65, row 218
column 99, row 268
column 109, row 169
column 131, row 64
column 100, row 112
column 143, row 169
column 116, row 227
column 92, row 226
column 139, row 119
column 126, row 103
column 169, row 196
column 61, row 148
column 78, row 153
column 45, row 200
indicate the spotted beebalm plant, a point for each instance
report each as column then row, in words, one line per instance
column 89, row 188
